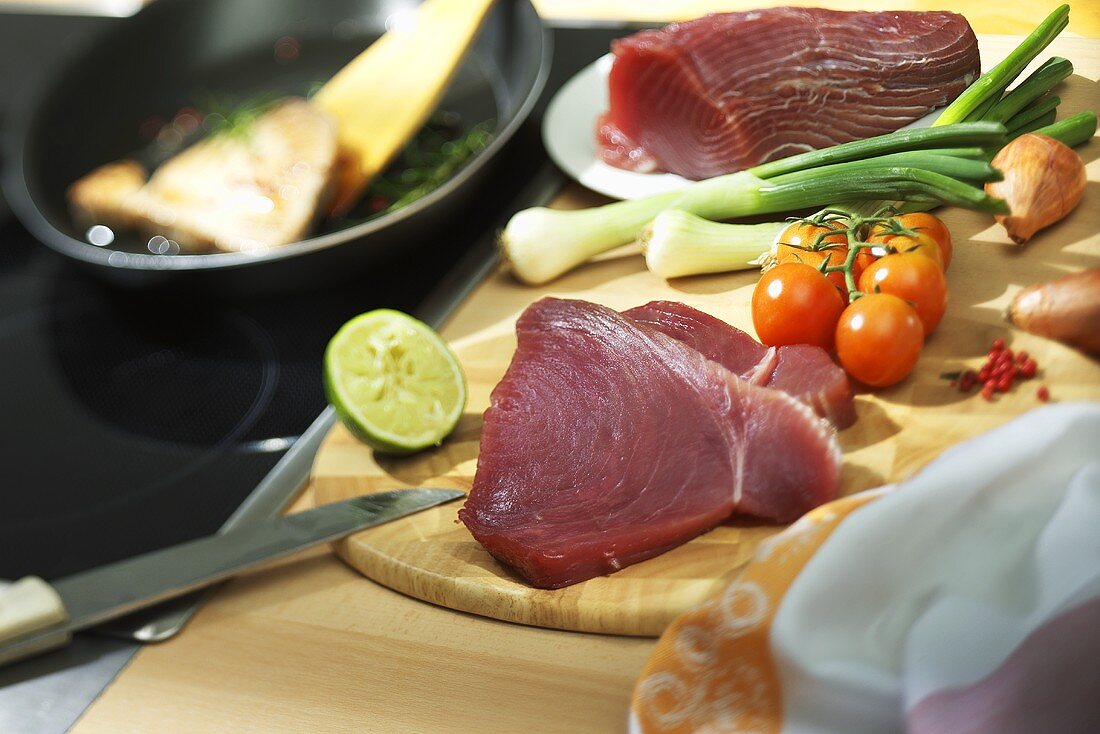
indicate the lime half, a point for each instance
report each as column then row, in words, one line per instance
column 394, row 382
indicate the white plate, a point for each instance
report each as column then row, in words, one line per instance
column 569, row 134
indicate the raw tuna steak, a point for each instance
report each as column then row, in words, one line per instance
column 729, row 91
column 608, row 443
column 803, row 371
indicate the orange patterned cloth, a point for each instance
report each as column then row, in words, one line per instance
column 962, row 600
column 689, row 685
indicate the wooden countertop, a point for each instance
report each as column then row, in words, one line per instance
column 312, row 646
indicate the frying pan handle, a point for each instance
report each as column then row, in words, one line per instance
column 30, row 605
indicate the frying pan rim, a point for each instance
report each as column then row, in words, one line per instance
column 25, row 206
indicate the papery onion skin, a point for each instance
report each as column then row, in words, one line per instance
column 1043, row 181
column 1066, row 309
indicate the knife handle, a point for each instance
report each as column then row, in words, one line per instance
column 30, row 605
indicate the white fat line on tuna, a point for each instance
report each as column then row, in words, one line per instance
column 739, row 476
column 825, row 430
column 766, row 365
column 786, row 146
column 766, row 68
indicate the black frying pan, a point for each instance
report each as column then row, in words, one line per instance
column 91, row 110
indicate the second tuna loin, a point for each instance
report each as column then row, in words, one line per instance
column 608, row 443
column 803, row 371
column 729, row 91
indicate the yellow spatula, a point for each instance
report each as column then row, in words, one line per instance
column 386, row 94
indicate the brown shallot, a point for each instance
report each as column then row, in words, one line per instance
column 1043, row 181
column 1066, row 309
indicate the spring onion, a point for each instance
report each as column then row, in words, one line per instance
column 1074, row 130
column 979, row 112
column 1045, row 77
column 976, row 133
column 543, row 243
column 1034, row 112
column 679, row 243
column 992, row 84
column 941, row 162
column 1037, row 124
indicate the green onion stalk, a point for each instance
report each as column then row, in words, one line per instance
column 1032, row 113
column 678, row 244
column 542, row 244
column 1074, row 130
column 1027, row 92
column 991, row 85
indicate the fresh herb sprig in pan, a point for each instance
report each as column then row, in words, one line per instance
column 427, row 162
column 235, row 119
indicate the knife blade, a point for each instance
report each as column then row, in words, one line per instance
column 36, row 616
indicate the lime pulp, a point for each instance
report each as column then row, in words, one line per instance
column 394, row 382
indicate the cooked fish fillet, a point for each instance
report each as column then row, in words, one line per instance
column 99, row 197
column 258, row 188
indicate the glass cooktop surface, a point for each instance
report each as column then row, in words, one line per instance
column 132, row 421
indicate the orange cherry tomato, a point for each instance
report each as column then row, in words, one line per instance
column 932, row 238
column 802, row 235
column 814, row 258
column 793, row 303
column 913, row 278
column 925, row 223
column 867, row 256
column 795, row 244
column 879, row 339
column 922, row 244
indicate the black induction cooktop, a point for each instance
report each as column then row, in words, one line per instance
column 133, row 421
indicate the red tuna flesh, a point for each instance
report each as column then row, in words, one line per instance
column 809, row 374
column 729, row 91
column 805, row 372
column 715, row 339
column 607, row 443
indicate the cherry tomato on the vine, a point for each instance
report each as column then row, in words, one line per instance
column 866, row 256
column 801, row 235
column 795, row 244
column 814, row 258
column 793, row 303
column 879, row 339
column 922, row 244
column 925, row 223
column 913, row 278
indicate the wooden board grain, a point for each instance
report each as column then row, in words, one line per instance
column 432, row 557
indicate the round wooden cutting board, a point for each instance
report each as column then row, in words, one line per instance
column 431, row 556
